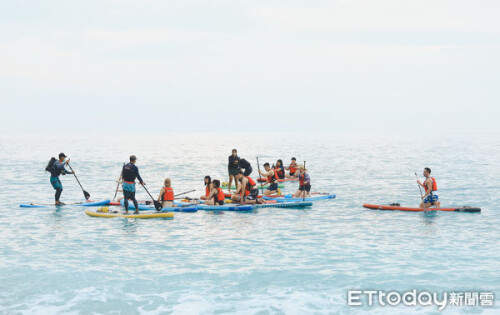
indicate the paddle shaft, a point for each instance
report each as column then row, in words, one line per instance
column 86, row 194
column 118, row 183
column 187, row 192
column 260, row 177
column 420, row 189
column 304, row 192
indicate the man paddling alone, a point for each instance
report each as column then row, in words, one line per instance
column 130, row 173
column 57, row 170
column 429, row 199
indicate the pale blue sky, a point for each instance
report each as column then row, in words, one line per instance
column 336, row 66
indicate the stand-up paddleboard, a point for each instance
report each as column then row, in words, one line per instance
column 82, row 204
column 226, row 207
column 144, row 207
column 294, row 204
column 150, row 214
column 313, row 198
column 389, row 207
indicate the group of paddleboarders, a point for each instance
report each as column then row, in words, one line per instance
column 247, row 189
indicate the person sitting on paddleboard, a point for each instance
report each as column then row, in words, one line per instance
column 244, row 164
column 304, row 183
column 272, row 179
column 292, row 168
column 233, row 167
column 56, row 170
column 280, row 169
column 208, row 187
column 129, row 173
column 248, row 192
column 216, row 196
column 430, row 185
column 166, row 196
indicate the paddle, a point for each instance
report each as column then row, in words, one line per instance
column 158, row 205
column 304, row 192
column 86, row 194
column 260, row 177
column 186, row 192
column 421, row 195
column 118, row 182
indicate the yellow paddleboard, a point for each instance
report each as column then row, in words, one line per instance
column 104, row 212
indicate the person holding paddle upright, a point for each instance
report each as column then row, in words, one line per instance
column 57, row 169
column 272, row 179
column 130, row 173
column 304, row 182
column 429, row 199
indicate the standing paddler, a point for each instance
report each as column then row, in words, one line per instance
column 233, row 166
column 130, row 173
column 56, row 169
column 430, row 185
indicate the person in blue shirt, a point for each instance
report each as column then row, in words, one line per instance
column 129, row 173
column 58, row 169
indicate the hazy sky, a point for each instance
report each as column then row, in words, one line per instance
column 337, row 66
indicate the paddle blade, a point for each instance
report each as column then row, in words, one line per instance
column 86, row 194
column 158, row 205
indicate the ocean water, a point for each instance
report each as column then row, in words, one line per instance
column 270, row 261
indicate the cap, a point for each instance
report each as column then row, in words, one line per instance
column 62, row 155
column 133, row 158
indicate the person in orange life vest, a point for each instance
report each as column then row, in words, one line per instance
column 280, row 169
column 208, row 187
column 166, row 196
column 272, row 179
column 429, row 199
column 248, row 191
column 304, row 183
column 216, row 196
column 292, row 168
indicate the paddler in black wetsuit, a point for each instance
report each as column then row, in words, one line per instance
column 130, row 173
column 233, row 167
column 56, row 170
column 244, row 164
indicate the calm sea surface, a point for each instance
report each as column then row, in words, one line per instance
column 270, row 261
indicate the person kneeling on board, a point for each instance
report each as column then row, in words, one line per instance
column 129, row 173
column 208, row 187
column 247, row 192
column 216, row 196
column 304, row 183
column 166, row 197
column 429, row 199
column 292, row 168
column 280, row 169
column 272, row 179
column 56, row 168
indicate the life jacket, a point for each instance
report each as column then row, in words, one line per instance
column 302, row 177
column 279, row 172
column 434, row 185
column 207, row 190
column 50, row 165
column 250, row 184
column 293, row 167
column 128, row 173
column 272, row 178
column 168, row 195
column 220, row 195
